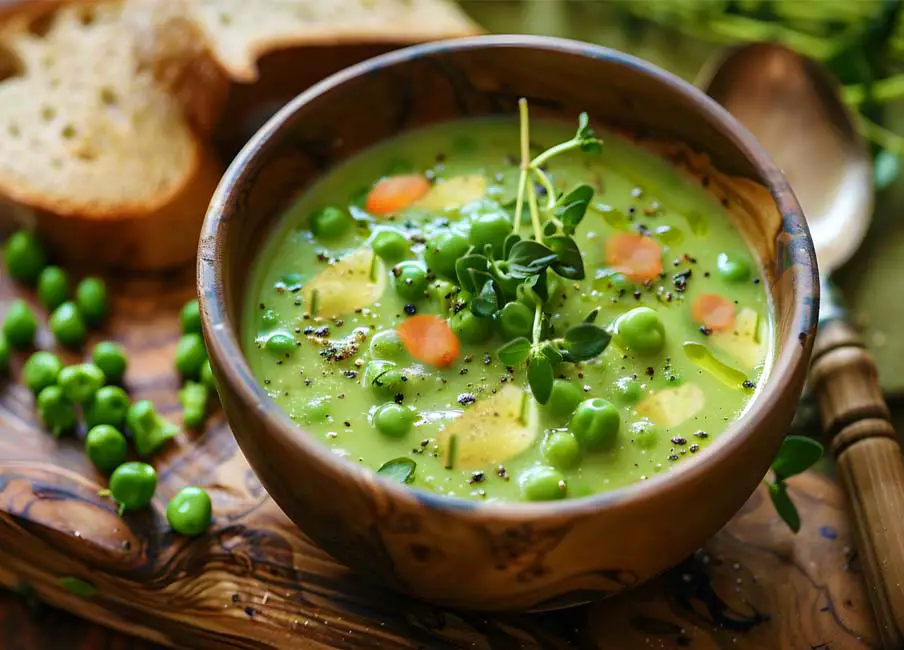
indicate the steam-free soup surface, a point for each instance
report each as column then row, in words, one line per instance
column 323, row 315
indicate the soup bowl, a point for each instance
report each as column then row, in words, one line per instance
column 517, row 556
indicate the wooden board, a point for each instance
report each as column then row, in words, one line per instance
column 254, row 581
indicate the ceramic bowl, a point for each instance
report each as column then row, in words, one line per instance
column 522, row 556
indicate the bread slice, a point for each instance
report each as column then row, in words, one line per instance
column 92, row 145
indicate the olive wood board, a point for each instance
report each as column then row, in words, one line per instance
column 254, row 581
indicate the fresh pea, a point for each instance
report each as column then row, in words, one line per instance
column 733, row 269
column 393, row 420
column 132, row 485
column 279, row 343
column 443, row 250
column 190, row 511
column 24, row 256
column 191, row 355
column 386, row 344
column 561, row 449
column 628, row 390
column 207, row 377
column 515, row 319
column 595, row 424
column 564, row 398
column 41, row 370
column 387, row 382
column 543, row 484
column 193, row 397
column 443, row 293
column 190, row 318
column 470, row 328
column 56, row 411
column 391, row 245
column 492, row 229
column 111, row 358
column 4, row 354
column 53, row 287
column 330, row 222
column 20, row 324
column 640, row 330
column 91, row 298
column 67, row 325
column 150, row 431
column 410, row 280
column 269, row 318
column 110, row 405
column 106, row 447
column 81, row 382
column 644, row 434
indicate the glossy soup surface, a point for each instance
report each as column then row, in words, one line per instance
column 662, row 408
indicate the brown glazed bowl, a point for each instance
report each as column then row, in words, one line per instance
column 520, row 556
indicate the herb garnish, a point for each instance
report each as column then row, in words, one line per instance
column 399, row 469
column 797, row 454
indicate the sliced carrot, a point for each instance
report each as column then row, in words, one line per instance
column 429, row 339
column 635, row 255
column 714, row 311
column 395, row 193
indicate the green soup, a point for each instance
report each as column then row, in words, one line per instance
column 386, row 359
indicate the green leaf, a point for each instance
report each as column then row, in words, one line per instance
column 886, row 168
column 550, row 350
column 463, row 267
column 514, row 352
column 510, row 241
column 540, row 378
column 797, row 454
column 585, row 341
column 572, row 207
column 538, row 288
column 78, row 587
column 529, row 257
column 585, row 135
column 569, row 264
column 784, row 506
column 486, row 303
column 400, row 470
column 549, row 228
column 591, row 317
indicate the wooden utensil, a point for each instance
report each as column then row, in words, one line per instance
column 793, row 106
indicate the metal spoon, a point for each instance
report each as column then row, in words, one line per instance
column 793, row 106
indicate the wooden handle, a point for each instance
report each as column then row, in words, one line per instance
column 870, row 467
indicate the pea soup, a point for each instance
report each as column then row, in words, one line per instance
column 502, row 310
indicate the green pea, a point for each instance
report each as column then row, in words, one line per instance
column 595, row 424
column 132, row 485
column 564, row 399
column 4, row 354
column 106, row 447
column 644, row 434
column 410, row 280
column 191, row 355
column 193, row 397
column 628, row 389
column 543, row 484
column 269, row 318
column 207, row 377
column 81, row 382
column 443, row 250
column 515, row 319
column 561, row 449
column 386, row 344
column 67, row 325
column 190, row 318
column 150, row 431
column 24, row 256
column 20, row 324
column 40, row 371
column 110, row 405
column 443, row 293
column 393, row 420
column 53, row 287
column 490, row 229
column 56, row 411
column 316, row 410
column 91, row 298
column 111, row 358
column 190, row 511
column 733, row 269
column 391, row 245
column 330, row 222
column 470, row 328
column 385, row 379
column 641, row 331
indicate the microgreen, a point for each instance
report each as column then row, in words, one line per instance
column 399, row 469
column 796, row 455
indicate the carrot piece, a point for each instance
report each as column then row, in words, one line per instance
column 714, row 312
column 429, row 339
column 635, row 255
column 395, row 193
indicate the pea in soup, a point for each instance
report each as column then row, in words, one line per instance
column 440, row 312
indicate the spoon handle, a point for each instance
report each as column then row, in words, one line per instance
column 870, row 466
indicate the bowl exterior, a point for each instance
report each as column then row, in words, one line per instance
column 488, row 556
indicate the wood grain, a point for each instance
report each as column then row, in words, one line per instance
column 255, row 582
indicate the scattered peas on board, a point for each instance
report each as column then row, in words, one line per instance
column 189, row 511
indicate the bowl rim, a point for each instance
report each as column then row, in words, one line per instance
column 221, row 333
